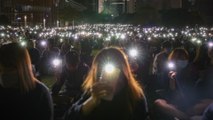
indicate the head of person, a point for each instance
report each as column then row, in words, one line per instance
column 180, row 57
column 16, row 69
column 72, row 60
column 114, row 57
column 167, row 46
column 31, row 44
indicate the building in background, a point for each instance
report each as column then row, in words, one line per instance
column 28, row 12
column 117, row 7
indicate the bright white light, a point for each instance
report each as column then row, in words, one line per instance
column 133, row 52
column 56, row 62
column 199, row 41
column 123, row 36
column 43, row 43
column 23, row 43
column 210, row 44
column 171, row 65
column 61, row 40
column 194, row 39
column 75, row 37
column 2, row 34
column 109, row 68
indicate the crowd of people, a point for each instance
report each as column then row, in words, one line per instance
column 107, row 71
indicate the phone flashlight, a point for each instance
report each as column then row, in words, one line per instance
column 109, row 68
column 23, row 43
column 43, row 43
column 56, row 62
column 210, row 44
column 133, row 52
column 171, row 65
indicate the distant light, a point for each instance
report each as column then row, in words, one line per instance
column 123, row 36
column 2, row 34
column 194, row 39
column 61, row 40
column 199, row 42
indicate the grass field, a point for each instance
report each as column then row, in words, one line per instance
column 48, row 80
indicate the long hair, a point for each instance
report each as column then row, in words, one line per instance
column 134, row 90
column 15, row 57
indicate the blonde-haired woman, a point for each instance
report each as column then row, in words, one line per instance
column 111, row 92
column 22, row 95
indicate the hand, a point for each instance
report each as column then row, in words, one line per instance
column 100, row 90
column 172, row 74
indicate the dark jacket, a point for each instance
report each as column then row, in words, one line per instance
column 35, row 105
column 117, row 109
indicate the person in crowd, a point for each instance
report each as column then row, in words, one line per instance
column 159, row 68
column 204, row 84
column 86, row 51
column 22, row 95
column 48, row 54
column 180, row 96
column 34, row 56
column 65, row 47
column 110, row 91
column 208, row 114
column 72, row 76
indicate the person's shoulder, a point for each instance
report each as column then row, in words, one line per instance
column 41, row 87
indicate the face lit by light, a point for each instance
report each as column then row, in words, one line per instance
column 109, row 68
column 56, row 62
column 133, row 52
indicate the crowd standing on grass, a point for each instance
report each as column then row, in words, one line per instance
column 164, row 73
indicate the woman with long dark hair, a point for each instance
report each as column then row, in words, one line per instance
column 22, row 95
column 111, row 91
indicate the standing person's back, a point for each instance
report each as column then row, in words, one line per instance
column 160, row 69
column 22, row 96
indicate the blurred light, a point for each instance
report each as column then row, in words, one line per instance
column 171, row 65
column 56, row 62
column 109, row 68
column 23, row 43
column 194, row 39
column 61, row 40
column 123, row 36
column 43, row 43
column 210, row 44
column 133, row 52
column 199, row 42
